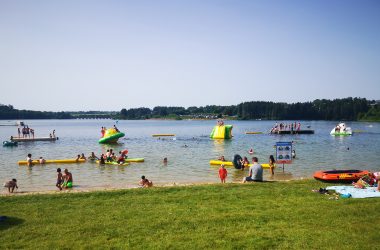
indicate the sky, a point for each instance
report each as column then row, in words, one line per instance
column 78, row 55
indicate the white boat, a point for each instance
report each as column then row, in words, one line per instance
column 341, row 129
column 11, row 123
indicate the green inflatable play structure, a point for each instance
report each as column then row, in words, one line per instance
column 111, row 136
column 221, row 131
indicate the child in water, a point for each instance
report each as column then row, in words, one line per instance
column 42, row 160
column 222, row 173
column 271, row 164
column 59, row 179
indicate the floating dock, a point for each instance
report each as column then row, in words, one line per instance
column 253, row 133
column 20, row 139
column 294, row 132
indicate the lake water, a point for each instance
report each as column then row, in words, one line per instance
column 185, row 164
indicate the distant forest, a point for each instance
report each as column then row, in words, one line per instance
column 348, row 109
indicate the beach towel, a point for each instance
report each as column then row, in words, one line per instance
column 369, row 192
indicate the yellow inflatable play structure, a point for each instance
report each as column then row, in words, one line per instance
column 221, row 131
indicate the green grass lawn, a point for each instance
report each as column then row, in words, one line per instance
column 259, row 215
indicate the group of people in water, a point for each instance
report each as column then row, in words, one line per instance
column 286, row 127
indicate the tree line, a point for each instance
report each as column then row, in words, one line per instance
column 9, row 112
column 337, row 109
column 351, row 109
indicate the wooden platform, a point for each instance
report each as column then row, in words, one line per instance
column 20, row 139
column 299, row 132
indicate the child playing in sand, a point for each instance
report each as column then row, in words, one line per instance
column 222, row 173
column 145, row 182
column 12, row 184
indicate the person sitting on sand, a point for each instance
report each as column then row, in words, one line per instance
column 145, row 182
column 11, row 185
column 82, row 157
column 67, row 179
column 255, row 172
column 42, row 160
column 59, row 179
column 222, row 158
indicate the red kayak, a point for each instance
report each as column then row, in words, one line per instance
column 340, row 175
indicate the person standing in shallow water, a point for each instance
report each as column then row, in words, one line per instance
column 11, row 185
column 222, row 173
column 29, row 161
column 59, row 179
column 271, row 164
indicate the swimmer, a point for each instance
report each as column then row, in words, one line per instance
column 101, row 160
column 121, row 159
column 78, row 157
column 42, row 160
column 82, row 157
column 250, row 151
column 165, row 160
column 93, row 157
column 222, row 158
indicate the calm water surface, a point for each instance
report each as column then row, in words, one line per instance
column 185, row 164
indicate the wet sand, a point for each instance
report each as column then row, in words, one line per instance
column 19, row 192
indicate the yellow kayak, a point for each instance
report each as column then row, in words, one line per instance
column 161, row 135
column 230, row 164
column 62, row 161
